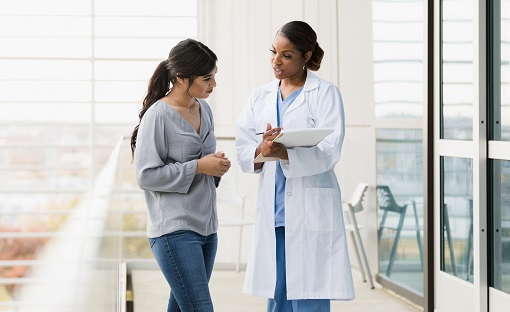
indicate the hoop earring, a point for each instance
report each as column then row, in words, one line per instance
column 304, row 67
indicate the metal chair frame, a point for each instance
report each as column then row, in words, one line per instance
column 350, row 208
column 386, row 203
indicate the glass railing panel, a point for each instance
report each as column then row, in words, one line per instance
column 400, row 170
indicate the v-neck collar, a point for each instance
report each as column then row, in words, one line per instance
column 282, row 105
column 291, row 97
column 184, row 121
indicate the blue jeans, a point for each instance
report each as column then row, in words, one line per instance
column 186, row 260
column 280, row 302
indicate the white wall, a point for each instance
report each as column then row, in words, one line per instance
column 241, row 33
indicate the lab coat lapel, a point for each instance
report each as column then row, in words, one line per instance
column 310, row 83
column 269, row 111
column 300, row 100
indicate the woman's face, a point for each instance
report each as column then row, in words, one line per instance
column 287, row 62
column 203, row 86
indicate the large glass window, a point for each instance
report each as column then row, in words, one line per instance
column 398, row 58
column 500, row 68
column 73, row 75
column 501, row 225
column 457, row 217
column 398, row 82
column 500, row 131
column 400, row 206
column 457, row 92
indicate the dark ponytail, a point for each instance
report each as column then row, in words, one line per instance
column 158, row 87
column 188, row 60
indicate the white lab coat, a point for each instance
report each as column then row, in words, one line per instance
column 317, row 259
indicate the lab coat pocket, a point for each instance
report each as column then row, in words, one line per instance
column 321, row 209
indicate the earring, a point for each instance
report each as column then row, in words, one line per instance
column 304, row 67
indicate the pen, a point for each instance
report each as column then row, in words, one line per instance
column 259, row 133
column 277, row 137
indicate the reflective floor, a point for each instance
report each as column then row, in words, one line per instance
column 150, row 293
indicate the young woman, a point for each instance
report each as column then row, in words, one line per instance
column 299, row 257
column 176, row 164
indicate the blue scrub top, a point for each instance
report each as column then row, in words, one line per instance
column 279, row 200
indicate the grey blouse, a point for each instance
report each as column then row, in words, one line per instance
column 165, row 164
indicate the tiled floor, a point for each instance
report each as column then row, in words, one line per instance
column 150, row 293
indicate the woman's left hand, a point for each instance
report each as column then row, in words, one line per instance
column 273, row 149
column 268, row 148
column 213, row 164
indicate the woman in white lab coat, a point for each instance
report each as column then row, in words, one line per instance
column 299, row 257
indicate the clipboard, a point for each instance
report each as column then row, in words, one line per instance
column 305, row 137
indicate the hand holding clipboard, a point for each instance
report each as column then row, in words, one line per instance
column 297, row 137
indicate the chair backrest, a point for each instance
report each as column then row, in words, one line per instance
column 386, row 201
column 358, row 196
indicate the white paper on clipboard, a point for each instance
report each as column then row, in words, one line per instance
column 305, row 137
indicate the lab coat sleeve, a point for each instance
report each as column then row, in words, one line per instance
column 151, row 172
column 307, row 161
column 246, row 138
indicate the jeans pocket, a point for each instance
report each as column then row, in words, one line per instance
column 152, row 241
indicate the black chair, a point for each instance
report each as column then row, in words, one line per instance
column 386, row 203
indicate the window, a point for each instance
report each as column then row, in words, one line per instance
column 73, row 75
column 399, row 103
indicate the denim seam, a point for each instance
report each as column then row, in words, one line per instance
column 178, row 274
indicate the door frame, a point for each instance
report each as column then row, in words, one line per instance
column 446, row 286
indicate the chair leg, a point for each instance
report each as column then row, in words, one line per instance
column 355, row 245
column 361, row 249
column 381, row 227
column 418, row 234
column 395, row 243
column 358, row 258
column 469, row 259
column 364, row 261
column 446, row 221
column 469, row 255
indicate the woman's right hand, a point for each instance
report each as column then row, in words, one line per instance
column 268, row 148
column 213, row 164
